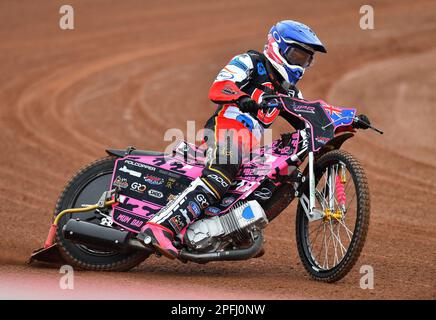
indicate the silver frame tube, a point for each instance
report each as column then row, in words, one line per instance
column 311, row 182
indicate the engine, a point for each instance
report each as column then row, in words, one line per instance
column 212, row 233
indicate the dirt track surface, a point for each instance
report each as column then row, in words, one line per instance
column 129, row 71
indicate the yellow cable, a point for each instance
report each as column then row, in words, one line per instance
column 78, row 210
column 212, row 188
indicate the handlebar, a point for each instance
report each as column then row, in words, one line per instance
column 366, row 125
column 269, row 104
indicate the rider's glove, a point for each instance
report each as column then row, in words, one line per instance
column 248, row 105
column 362, row 122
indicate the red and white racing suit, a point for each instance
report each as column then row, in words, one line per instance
column 249, row 75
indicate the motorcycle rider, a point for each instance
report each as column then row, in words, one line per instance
column 238, row 122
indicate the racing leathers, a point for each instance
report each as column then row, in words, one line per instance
column 230, row 134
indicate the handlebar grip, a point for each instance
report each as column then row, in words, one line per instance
column 269, row 105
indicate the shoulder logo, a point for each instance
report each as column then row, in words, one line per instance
column 238, row 63
column 261, row 69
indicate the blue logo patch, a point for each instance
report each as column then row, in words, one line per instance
column 194, row 208
column 248, row 214
column 261, row 69
column 213, row 210
column 246, row 121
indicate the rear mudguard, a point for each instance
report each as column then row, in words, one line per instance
column 120, row 153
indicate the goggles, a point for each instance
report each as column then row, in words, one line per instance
column 298, row 56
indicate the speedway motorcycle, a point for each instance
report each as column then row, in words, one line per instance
column 103, row 207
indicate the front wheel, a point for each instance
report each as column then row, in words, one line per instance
column 330, row 247
column 85, row 188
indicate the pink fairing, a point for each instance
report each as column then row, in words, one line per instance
column 141, row 206
column 340, row 191
column 266, row 162
column 191, row 170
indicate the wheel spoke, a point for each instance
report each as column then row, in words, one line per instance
column 325, row 186
column 315, row 229
column 327, row 249
column 338, row 239
column 351, row 201
column 335, row 260
column 342, row 247
column 348, row 231
column 322, row 243
column 316, row 238
column 321, row 199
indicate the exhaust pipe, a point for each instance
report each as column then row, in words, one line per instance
column 230, row 255
column 100, row 237
column 105, row 238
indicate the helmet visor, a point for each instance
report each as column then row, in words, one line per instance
column 297, row 56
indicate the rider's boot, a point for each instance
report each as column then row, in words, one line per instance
column 174, row 219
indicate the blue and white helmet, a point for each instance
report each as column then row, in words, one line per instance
column 290, row 49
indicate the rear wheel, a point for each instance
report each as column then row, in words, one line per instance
column 330, row 247
column 85, row 188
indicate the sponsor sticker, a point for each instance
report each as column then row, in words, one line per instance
column 131, row 172
column 263, row 194
column 244, row 185
column 138, row 187
column 184, row 212
column 121, row 182
column 212, row 211
column 169, row 174
column 170, row 183
column 202, row 200
column 171, row 197
column 194, row 208
column 128, row 220
column 227, row 201
column 322, row 140
column 227, row 90
column 155, row 193
column 177, row 223
column 153, row 180
column 140, row 165
column 304, row 109
column 225, row 75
